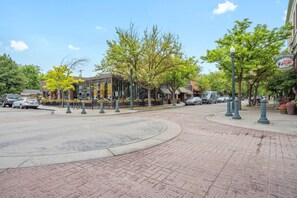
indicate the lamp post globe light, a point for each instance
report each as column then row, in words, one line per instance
column 232, row 52
column 131, row 88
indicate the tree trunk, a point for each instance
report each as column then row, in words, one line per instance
column 173, row 98
column 239, row 93
column 250, row 95
column 149, row 97
column 59, row 94
column 62, row 98
column 255, row 95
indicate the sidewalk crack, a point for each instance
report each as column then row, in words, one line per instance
column 24, row 161
column 110, row 151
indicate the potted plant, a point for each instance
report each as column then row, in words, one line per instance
column 290, row 107
column 282, row 109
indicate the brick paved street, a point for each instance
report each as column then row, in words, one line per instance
column 206, row 160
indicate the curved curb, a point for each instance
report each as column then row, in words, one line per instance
column 248, row 123
column 171, row 132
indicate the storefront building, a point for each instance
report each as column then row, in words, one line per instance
column 292, row 41
column 108, row 86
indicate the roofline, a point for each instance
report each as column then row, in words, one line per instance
column 289, row 10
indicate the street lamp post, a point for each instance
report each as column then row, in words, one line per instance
column 83, row 101
column 92, row 94
column 131, row 88
column 232, row 52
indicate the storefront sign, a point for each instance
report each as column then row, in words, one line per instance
column 284, row 61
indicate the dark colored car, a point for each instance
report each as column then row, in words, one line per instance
column 8, row 99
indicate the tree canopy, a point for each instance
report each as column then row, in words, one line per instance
column 281, row 87
column 187, row 69
column 11, row 77
column 255, row 50
column 150, row 56
column 60, row 79
column 32, row 76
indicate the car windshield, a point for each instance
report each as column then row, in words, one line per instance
column 13, row 96
column 205, row 95
column 30, row 99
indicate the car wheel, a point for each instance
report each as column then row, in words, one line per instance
column 21, row 106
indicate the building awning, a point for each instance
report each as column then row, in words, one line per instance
column 165, row 90
column 28, row 92
column 184, row 90
column 190, row 92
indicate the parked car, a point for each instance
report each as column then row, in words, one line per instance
column 210, row 97
column 222, row 99
column 8, row 99
column 25, row 102
column 194, row 101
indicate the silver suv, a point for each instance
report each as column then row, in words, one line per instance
column 8, row 99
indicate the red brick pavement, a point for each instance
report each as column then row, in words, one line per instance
column 206, row 160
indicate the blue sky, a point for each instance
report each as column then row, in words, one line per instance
column 44, row 32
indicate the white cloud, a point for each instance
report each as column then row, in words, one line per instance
column 100, row 28
column 18, row 45
column 73, row 48
column 285, row 15
column 222, row 8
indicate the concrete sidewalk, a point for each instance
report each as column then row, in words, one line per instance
column 282, row 123
column 107, row 111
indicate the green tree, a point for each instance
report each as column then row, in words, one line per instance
column 150, row 57
column 60, row 79
column 32, row 76
column 186, row 70
column 203, row 83
column 11, row 77
column 283, row 82
column 219, row 82
column 251, row 48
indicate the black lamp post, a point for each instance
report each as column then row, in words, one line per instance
column 232, row 52
column 131, row 88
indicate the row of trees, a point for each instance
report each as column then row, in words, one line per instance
column 14, row 78
column 156, row 58
column 255, row 52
